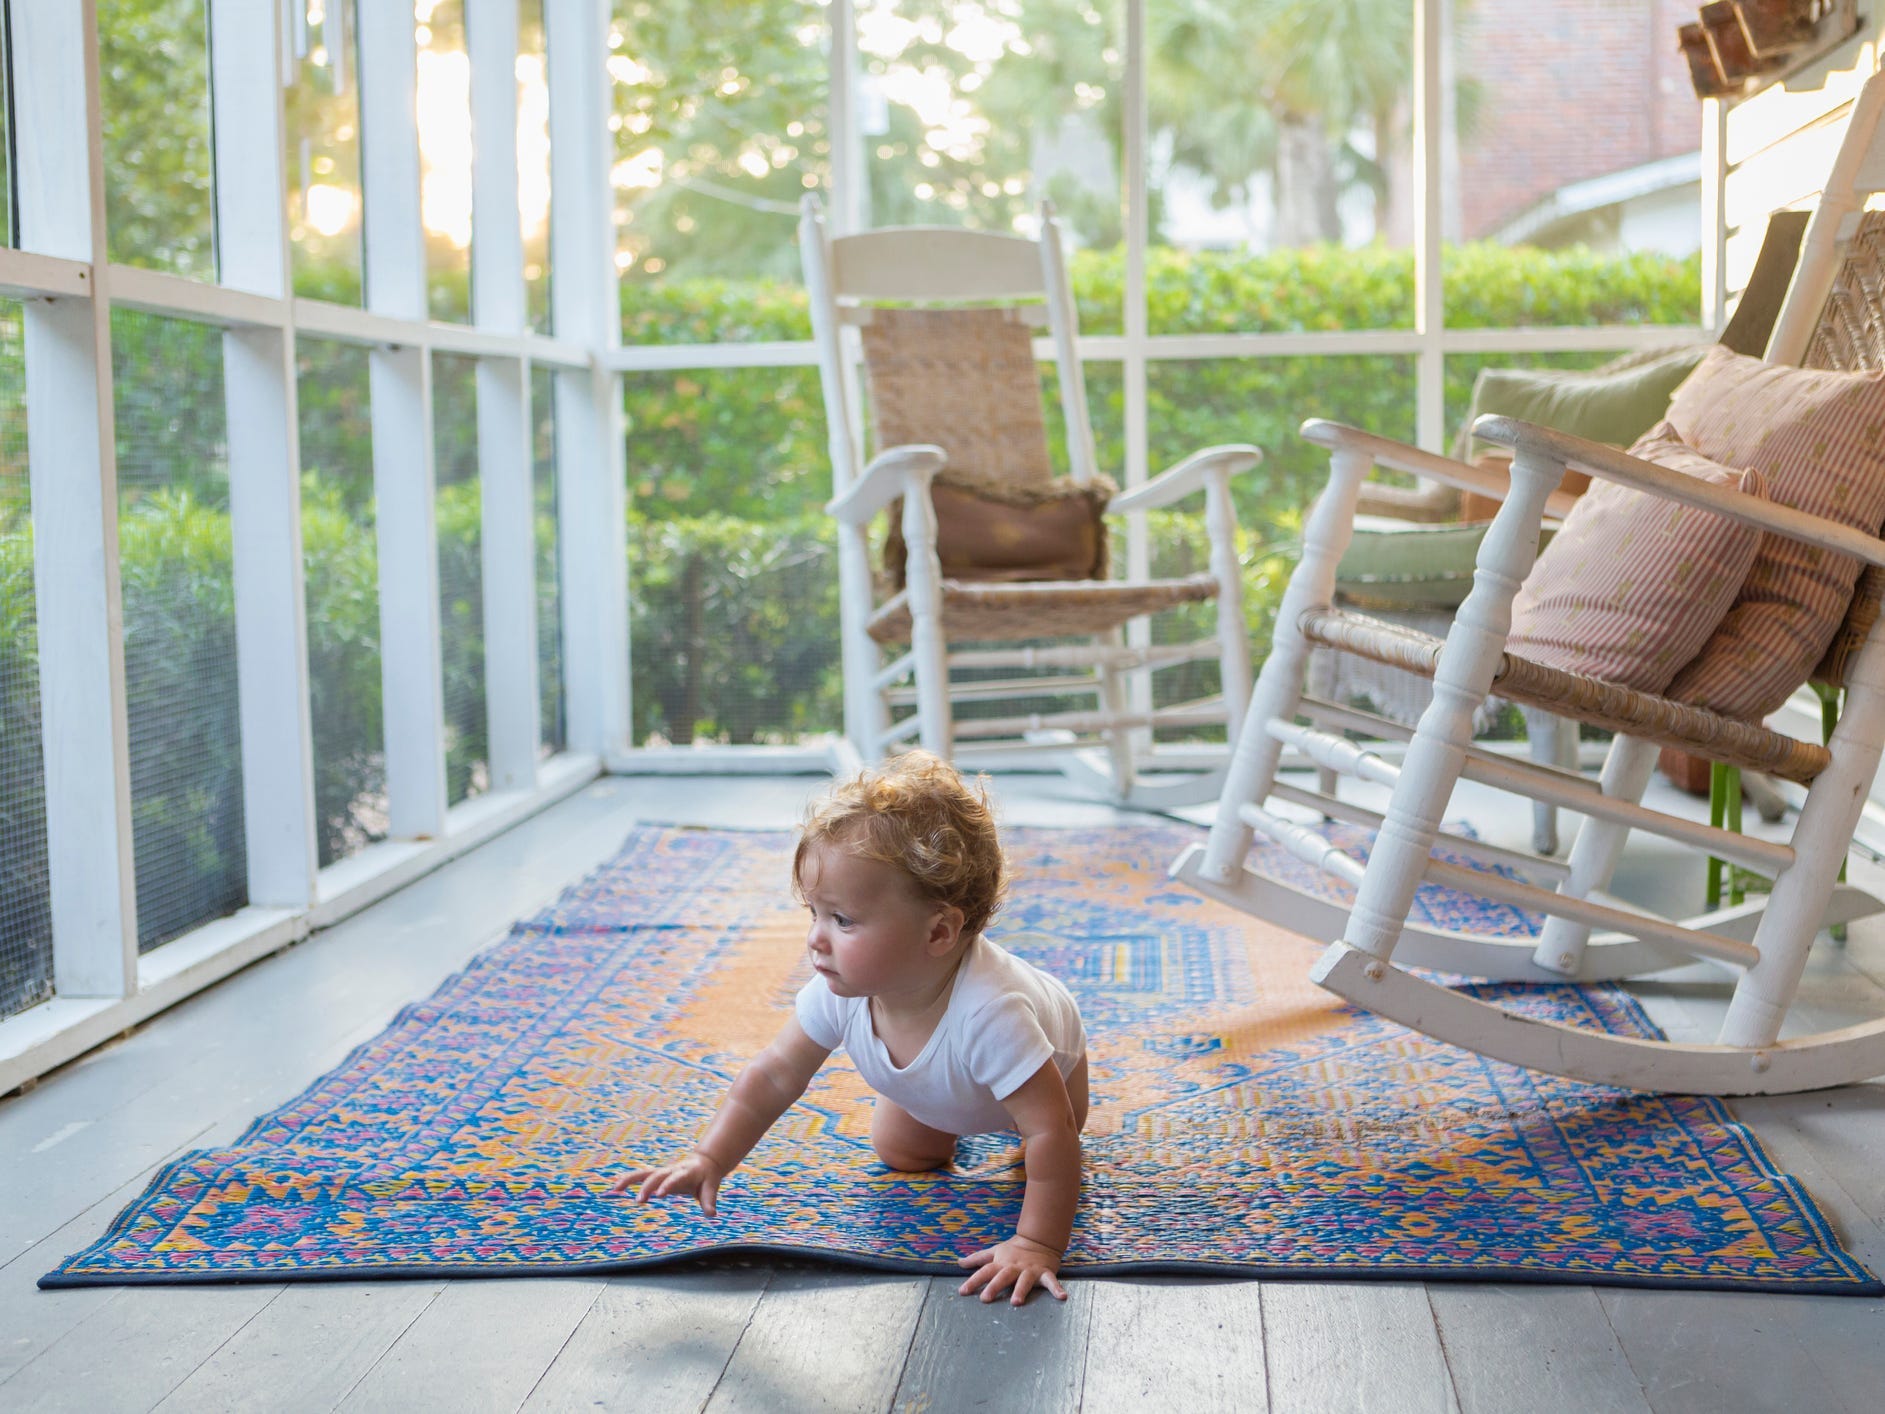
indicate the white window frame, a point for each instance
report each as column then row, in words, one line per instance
column 69, row 288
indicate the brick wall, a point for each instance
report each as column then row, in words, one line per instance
column 1568, row 89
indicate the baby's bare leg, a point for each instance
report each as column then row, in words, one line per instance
column 905, row 1142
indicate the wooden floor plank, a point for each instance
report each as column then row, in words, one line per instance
column 1175, row 1343
column 992, row 1355
column 304, row 1350
column 654, row 1343
column 822, row 1341
column 75, row 1149
column 257, row 1039
column 1514, row 1349
column 481, row 1345
column 31, row 1319
column 1359, row 1346
column 1716, row 1352
column 133, row 1349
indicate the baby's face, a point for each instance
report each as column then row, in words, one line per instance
column 868, row 928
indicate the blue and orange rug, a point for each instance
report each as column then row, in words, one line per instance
column 1243, row 1120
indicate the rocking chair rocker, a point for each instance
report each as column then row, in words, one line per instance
column 994, row 573
column 1766, row 940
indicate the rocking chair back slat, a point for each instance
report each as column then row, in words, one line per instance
column 878, row 266
column 964, row 380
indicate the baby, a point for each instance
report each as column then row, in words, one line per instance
column 901, row 870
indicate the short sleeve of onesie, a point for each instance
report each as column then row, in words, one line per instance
column 1005, row 1045
column 820, row 1014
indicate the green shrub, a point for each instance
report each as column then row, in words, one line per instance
column 188, row 846
column 25, row 908
column 751, row 442
column 734, row 628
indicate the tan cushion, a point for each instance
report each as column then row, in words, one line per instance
column 1633, row 585
column 1818, row 439
column 991, row 534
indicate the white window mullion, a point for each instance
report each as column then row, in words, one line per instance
column 850, row 174
column 400, row 380
column 1714, row 310
column 1137, row 119
column 585, row 308
column 264, row 462
column 74, row 479
column 508, row 538
column 507, row 523
column 1430, row 98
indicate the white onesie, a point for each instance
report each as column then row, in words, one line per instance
column 1004, row 1019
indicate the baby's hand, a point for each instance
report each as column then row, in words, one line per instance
column 696, row 1174
column 1019, row 1262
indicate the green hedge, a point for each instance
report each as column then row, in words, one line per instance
column 751, row 442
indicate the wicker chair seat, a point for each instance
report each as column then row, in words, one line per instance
column 1748, row 745
column 1041, row 609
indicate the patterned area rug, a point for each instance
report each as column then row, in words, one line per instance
column 1242, row 1118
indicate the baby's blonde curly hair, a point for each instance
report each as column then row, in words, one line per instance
column 916, row 813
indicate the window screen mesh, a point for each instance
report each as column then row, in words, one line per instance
column 461, row 574
column 6, row 146
column 533, row 160
column 443, row 98
column 154, row 93
column 554, row 706
column 25, row 913
column 179, row 624
column 732, row 561
column 321, row 112
column 340, row 552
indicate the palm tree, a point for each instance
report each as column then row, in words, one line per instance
column 1300, row 77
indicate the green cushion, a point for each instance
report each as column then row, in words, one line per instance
column 1616, row 403
column 1391, row 564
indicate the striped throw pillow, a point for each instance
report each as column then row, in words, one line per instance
column 1818, row 439
column 1633, row 585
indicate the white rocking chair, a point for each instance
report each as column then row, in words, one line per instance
column 1583, row 938
column 944, row 317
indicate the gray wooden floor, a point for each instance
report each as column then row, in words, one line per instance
column 792, row 1337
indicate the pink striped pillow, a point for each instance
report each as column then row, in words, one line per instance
column 1633, row 585
column 1818, row 438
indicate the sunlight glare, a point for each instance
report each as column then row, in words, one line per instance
column 331, row 209
column 641, row 170
column 533, row 144
column 443, row 100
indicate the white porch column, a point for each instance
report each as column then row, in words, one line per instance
column 73, row 470
column 497, row 303
column 585, row 308
column 401, row 392
column 264, row 463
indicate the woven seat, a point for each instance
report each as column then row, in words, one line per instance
column 986, row 547
column 1588, row 700
column 996, row 612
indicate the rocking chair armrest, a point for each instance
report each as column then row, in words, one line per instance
column 1188, row 476
column 893, row 472
column 1598, row 459
column 1398, row 456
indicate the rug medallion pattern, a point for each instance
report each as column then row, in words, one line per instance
column 1242, row 1118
